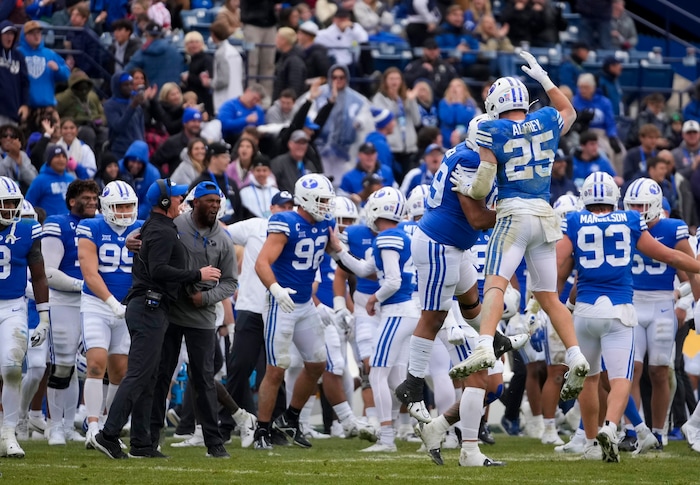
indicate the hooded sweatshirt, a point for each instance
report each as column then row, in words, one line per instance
column 126, row 124
column 48, row 190
column 142, row 181
column 42, row 80
column 208, row 246
column 14, row 81
column 83, row 112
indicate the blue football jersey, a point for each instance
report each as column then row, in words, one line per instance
column 16, row 241
column 478, row 251
column 360, row 238
column 396, row 239
column 302, row 254
column 324, row 292
column 649, row 274
column 114, row 259
column 603, row 247
column 63, row 227
column 409, row 227
column 444, row 221
column 525, row 152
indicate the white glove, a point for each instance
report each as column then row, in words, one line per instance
column 117, row 308
column 533, row 306
column 326, row 314
column 42, row 330
column 535, row 71
column 455, row 335
column 342, row 318
column 461, row 179
column 282, row 296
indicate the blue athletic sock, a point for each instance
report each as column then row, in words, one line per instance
column 632, row 413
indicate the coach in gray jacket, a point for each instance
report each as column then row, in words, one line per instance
column 193, row 315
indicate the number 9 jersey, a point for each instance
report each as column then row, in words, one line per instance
column 302, row 254
column 16, row 241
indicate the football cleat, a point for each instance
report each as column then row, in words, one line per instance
column 247, row 430
column 476, row 458
column 482, row 358
column 691, row 433
column 575, row 446
column 217, row 451
column 512, row 428
column 628, row 442
column 89, row 436
column 578, row 370
column 592, row 452
column 173, row 417
column 71, row 434
column 645, row 443
column 146, row 453
column 9, row 446
column 432, row 440
column 109, row 447
column 410, row 393
column 57, row 435
column 262, row 439
column 503, row 344
column 290, row 431
column 551, row 437
column 485, row 435
column 367, row 432
column 311, row 433
column 22, row 430
column 607, row 438
column 380, row 448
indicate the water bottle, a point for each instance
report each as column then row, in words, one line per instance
column 50, row 38
column 689, row 59
column 591, row 57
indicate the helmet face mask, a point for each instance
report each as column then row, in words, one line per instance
column 646, row 197
column 565, row 204
column 506, row 94
column 345, row 211
column 473, row 128
column 114, row 197
column 315, row 194
column 416, row 201
column 600, row 188
column 11, row 200
column 386, row 203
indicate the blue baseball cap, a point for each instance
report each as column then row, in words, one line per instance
column 206, row 188
column 281, row 198
column 434, row 147
column 191, row 114
column 153, row 196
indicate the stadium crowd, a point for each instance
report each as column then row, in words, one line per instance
column 277, row 101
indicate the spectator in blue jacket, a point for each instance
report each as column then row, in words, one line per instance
column 124, row 112
column 384, row 123
column 458, row 46
column 158, row 58
column 108, row 11
column 14, row 81
column 44, row 66
column 588, row 159
column 455, row 111
column 423, row 174
column 48, row 190
column 136, row 169
column 691, row 111
column 367, row 163
column 245, row 110
column 572, row 67
column 609, row 84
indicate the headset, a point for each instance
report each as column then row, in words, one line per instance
column 165, row 191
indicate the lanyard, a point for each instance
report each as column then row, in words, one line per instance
column 263, row 206
column 225, row 179
column 643, row 159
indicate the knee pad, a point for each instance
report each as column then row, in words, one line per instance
column 364, row 379
column 493, row 396
column 60, row 376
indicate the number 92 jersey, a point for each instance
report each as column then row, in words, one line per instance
column 16, row 241
column 525, row 152
column 302, row 254
column 603, row 246
column 649, row 274
column 444, row 221
column 114, row 259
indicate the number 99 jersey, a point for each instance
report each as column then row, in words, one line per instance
column 603, row 247
column 114, row 259
column 302, row 254
column 525, row 152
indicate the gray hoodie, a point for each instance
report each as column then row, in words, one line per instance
column 211, row 246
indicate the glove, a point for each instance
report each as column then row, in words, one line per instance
column 533, row 306
column 342, row 318
column 42, row 330
column 282, row 296
column 325, row 313
column 537, row 339
column 535, row 71
column 117, row 308
column 615, row 144
column 455, row 335
column 461, row 180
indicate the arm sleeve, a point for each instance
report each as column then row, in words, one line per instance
column 52, row 251
column 392, row 275
column 361, row 267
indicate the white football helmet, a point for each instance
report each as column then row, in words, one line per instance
column 28, row 210
column 9, row 191
column 600, row 188
column 386, row 203
column 511, row 303
column 314, row 193
column 416, row 201
column 648, row 194
column 119, row 193
column 506, row 94
column 565, row 204
column 472, row 129
column 345, row 209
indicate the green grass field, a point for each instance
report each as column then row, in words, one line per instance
column 337, row 461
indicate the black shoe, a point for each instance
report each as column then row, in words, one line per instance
column 217, row 451
column 628, row 443
column 410, row 390
column 277, row 438
column 501, row 344
column 146, row 453
column 485, row 433
column 291, row 431
column 262, row 440
column 109, row 446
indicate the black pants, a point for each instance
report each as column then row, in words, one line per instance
column 200, row 349
column 513, row 396
column 147, row 329
column 248, row 350
column 684, row 397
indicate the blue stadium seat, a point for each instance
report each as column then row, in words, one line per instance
column 630, row 76
column 656, row 78
column 194, row 4
column 212, row 13
column 192, row 17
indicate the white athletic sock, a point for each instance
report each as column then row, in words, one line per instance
column 92, row 394
column 485, row 341
column 371, row 412
column 387, row 435
column 30, row 384
column 550, row 424
column 379, row 379
column 70, row 403
column 343, row 411
column 458, row 393
column 475, row 322
column 419, row 351
column 111, row 392
column 240, row 416
column 404, row 418
column 36, row 414
column 470, row 412
column 11, row 396
column 440, row 423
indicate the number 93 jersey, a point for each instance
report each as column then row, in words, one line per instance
column 16, row 241
column 525, row 152
column 114, row 259
column 649, row 274
column 603, row 247
column 302, row 254
column 444, row 221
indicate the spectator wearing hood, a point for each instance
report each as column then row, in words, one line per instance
column 136, row 169
column 82, row 104
column 167, row 157
column 44, row 67
column 290, row 69
column 48, row 190
column 367, row 163
column 158, row 58
column 124, row 111
column 14, row 79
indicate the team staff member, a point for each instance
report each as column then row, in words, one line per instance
column 157, row 273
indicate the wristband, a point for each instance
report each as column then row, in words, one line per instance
column 339, row 303
column 547, row 84
column 42, row 307
column 570, row 306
